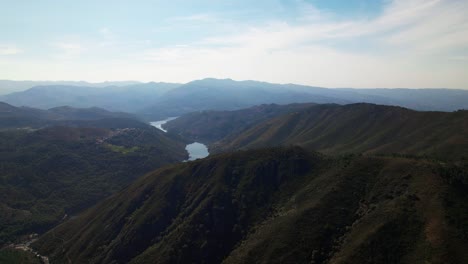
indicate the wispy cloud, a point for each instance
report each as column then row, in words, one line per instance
column 434, row 23
column 280, row 51
column 9, row 50
column 408, row 43
column 194, row 18
column 68, row 50
column 106, row 32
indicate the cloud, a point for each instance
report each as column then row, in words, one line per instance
column 194, row 18
column 9, row 50
column 411, row 43
column 406, row 41
column 435, row 26
column 68, row 50
column 105, row 31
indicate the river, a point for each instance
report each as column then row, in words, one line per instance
column 158, row 124
column 196, row 150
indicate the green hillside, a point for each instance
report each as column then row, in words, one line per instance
column 360, row 128
column 50, row 174
column 210, row 126
column 283, row 205
column 12, row 117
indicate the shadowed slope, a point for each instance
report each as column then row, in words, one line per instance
column 279, row 205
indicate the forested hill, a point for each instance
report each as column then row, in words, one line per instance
column 211, row 126
column 360, row 128
column 283, row 205
column 26, row 117
column 50, row 174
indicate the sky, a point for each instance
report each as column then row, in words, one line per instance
column 328, row 43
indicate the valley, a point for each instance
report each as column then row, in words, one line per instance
column 234, row 132
column 354, row 183
column 159, row 124
column 195, row 150
column 50, row 173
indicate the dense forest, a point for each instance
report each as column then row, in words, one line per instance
column 255, row 206
column 371, row 195
column 48, row 175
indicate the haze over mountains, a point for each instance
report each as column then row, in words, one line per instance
column 353, row 182
column 9, row 86
column 342, row 137
column 153, row 101
column 389, row 175
column 128, row 98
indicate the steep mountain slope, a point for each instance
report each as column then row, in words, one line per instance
column 210, row 126
column 281, row 205
column 53, row 172
column 128, row 98
column 366, row 128
column 25, row 117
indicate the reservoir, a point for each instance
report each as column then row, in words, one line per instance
column 195, row 150
column 158, row 124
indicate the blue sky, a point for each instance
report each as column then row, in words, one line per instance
column 331, row 43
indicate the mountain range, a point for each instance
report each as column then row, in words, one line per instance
column 128, row 98
column 9, row 86
column 390, row 186
column 297, row 174
column 156, row 101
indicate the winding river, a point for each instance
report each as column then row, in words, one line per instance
column 158, row 124
column 196, row 150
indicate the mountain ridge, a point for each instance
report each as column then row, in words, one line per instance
column 255, row 205
column 366, row 128
column 156, row 101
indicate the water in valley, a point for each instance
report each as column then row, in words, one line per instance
column 195, row 150
column 158, row 124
